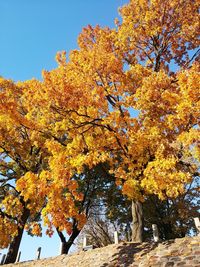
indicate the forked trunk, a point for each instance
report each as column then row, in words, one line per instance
column 137, row 214
column 66, row 245
column 14, row 245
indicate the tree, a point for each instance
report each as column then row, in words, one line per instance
column 18, row 157
column 26, row 182
column 89, row 99
column 174, row 217
column 98, row 233
column 98, row 189
column 110, row 212
column 92, row 184
column 27, row 190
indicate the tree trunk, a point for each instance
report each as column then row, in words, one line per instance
column 66, row 245
column 137, row 214
column 168, row 231
column 14, row 245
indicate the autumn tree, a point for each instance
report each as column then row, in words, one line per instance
column 93, row 185
column 26, row 183
column 18, row 158
column 28, row 192
column 148, row 63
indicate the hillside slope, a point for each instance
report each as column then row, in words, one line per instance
column 183, row 252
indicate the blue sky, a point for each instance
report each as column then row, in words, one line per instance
column 31, row 32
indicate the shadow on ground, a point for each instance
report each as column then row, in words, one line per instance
column 126, row 253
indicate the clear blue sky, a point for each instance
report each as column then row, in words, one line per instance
column 31, row 32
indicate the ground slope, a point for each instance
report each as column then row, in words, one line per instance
column 183, row 252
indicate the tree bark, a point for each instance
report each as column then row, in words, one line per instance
column 66, row 245
column 14, row 245
column 168, row 231
column 137, row 214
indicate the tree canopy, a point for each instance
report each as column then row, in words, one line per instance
column 128, row 97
